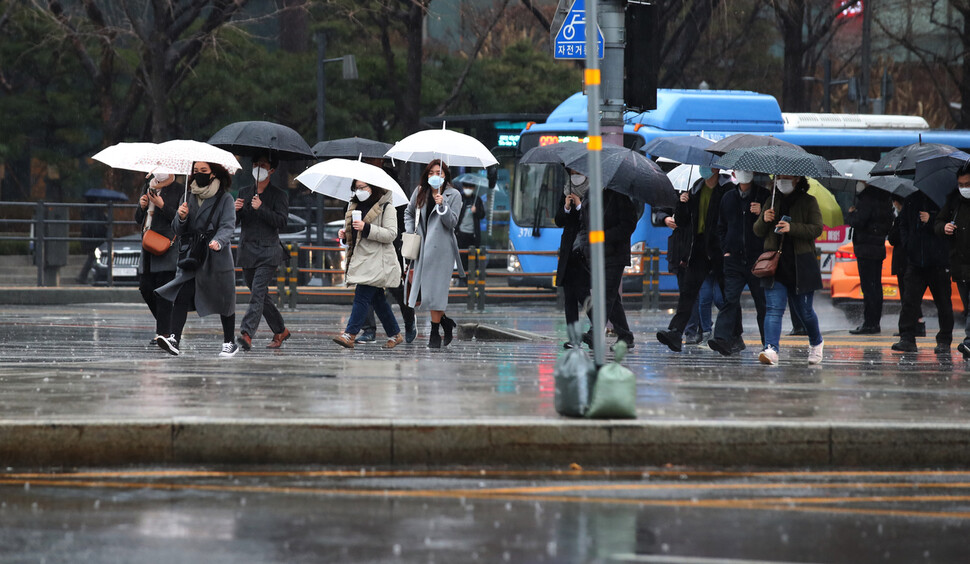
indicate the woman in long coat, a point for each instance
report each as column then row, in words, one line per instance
column 212, row 288
column 158, row 204
column 433, row 214
column 371, row 261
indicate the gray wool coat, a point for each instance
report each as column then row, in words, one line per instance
column 439, row 250
column 215, row 282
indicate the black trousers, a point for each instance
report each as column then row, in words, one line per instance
column 147, row 284
column 737, row 275
column 690, row 282
column 870, row 279
column 917, row 281
column 184, row 303
column 465, row 240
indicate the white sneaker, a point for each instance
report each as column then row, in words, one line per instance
column 229, row 350
column 168, row 344
column 815, row 354
column 768, row 356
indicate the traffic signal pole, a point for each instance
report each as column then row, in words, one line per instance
column 592, row 78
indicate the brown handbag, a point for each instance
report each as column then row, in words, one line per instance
column 767, row 262
column 156, row 243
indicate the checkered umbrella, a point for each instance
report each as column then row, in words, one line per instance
column 776, row 159
column 747, row 141
column 902, row 160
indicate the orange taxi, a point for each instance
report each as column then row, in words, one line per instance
column 847, row 292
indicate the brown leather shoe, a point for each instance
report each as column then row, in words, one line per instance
column 394, row 341
column 244, row 341
column 345, row 340
column 278, row 339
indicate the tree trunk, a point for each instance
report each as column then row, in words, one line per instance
column 293, row 26
column 963, row 118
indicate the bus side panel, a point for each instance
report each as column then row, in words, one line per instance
column 537, row 270
column 654, row 237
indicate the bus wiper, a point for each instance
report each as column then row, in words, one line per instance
column 538, row 212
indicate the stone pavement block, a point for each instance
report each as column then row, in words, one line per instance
column 554, row 443
column 900, row 445
column 437, row 442
column 726, row 442
column 257, row 441
column 46, row 444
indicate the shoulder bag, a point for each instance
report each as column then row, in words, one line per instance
column 767, row 262
column 194, row 246
column 411, row 242
column 153, row 241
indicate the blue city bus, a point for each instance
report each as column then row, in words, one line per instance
column 714, row 114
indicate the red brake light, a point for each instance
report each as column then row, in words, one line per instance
column 844, row 255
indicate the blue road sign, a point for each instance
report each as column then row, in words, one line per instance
column 571, row 39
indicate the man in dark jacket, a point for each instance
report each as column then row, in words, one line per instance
column 572, row 270
column 468, row 232
column 693, row 249
column 740, row 208
column 871, row 218
column 928, row 266
column 262, row 211
column 900, row 262
column 953, row 224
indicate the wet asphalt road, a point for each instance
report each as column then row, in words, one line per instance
column 469, row 515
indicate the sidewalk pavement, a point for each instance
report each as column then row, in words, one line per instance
column 80, row 386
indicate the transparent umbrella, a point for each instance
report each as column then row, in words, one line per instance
column 335, row 178
column 453, row 148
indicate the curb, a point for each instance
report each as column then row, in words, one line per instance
column 482, row 442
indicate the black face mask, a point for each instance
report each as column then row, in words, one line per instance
column 202, row 179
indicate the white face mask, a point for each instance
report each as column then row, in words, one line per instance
column 965, row 192
column 785, row 186
column 362, row 195
column 260, row 173
column 436, row 181
column 860, row 186
column 744, row 176
column 577, row 179
column 161, row 177
column 469, row 191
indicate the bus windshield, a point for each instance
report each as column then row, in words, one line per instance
column 536, row 193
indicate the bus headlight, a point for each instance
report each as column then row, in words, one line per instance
column 514, row 264
column 97, row 253
column 636, row 260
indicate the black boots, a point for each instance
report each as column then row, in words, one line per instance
column 434, row 341
column 448, row 324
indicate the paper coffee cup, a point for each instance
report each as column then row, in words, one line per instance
column 355, row 215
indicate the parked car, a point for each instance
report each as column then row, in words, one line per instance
column 127, row 255
column 846, row 290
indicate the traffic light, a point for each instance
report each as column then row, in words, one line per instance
column 641, row 56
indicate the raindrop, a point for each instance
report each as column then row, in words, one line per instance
column 665, row 547
column 397, row 550
column 97, row 504
column 26, row 486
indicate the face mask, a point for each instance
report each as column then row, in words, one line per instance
column 785, row 186
column 362, row 195
column 436, row 181
column 860, row 186
column 469, row 191
column 706, row 172
column 162, row 177
column 260, row 173
column 965, row 192
column 202, row 179
column 744, row 176
column 577, row 179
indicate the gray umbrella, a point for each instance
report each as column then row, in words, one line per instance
column 747, row 141
column 895, row 185
column 686, row 149
column 351, row 148
column 631, row 173
column 250, row 138
column 852, row 171
column 556, row 153
column 778, row 160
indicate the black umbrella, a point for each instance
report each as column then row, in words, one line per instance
column 686, row 149
column 937, row 176
column 902, row 160
column 556, row 153
column 629, row 172
column 747, row 141
column 106, row 195
column 895, row 185
column 351, row 148
column 249, row 138
column 776, row 159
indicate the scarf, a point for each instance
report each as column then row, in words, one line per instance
column 205, row 193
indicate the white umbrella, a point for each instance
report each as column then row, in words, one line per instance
column 453, row 148
column 683, row 176
column 335, row 177
column 126, row 156
column 179, row 154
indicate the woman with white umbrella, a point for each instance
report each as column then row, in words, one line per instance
column 370, row 228
column 210, row 289
column 433, row 214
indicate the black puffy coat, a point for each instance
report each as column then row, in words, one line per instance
column 923, row 247
column 957, row 210
column 682, row 243
column 735, row 226
column 871, row 221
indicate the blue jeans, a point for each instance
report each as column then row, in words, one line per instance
column 364, row 296
column 700, row 319
column 776, row 299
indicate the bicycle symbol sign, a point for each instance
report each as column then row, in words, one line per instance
column 571, row 39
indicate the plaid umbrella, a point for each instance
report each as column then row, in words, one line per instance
column 250, row 138
column 937, row 176
column 776, row 159
column 902, row 160
column 686, row 149
column 895, row 185
column 747, row 141
column 351, row 147
column 629, row 172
